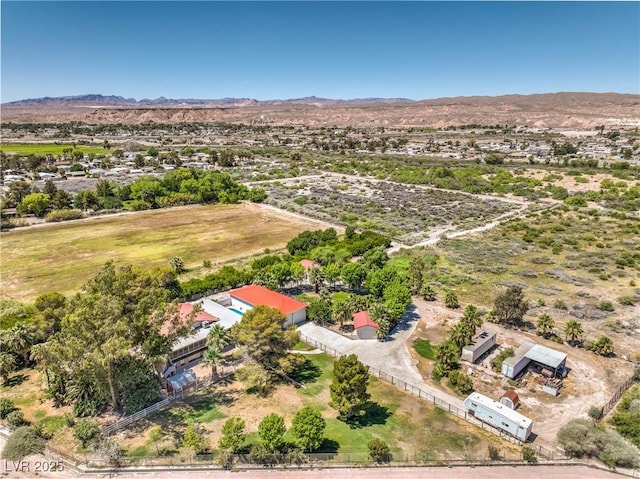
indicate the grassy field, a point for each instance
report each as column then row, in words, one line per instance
column 48, row 149
column 62, row 257
column 411, row 427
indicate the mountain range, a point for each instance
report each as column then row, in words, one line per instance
column 546, row 110
column 113, row 100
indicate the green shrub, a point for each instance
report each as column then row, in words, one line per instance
column 15, row 419
column 86, row 431
column 423, row 348
column 63, row 215
column 460, row 382
column 606, row 306
column 627, row 300
column 6, row 407
column 529, row 455
column 496, row 363
column 379, row 451
column 22, row 442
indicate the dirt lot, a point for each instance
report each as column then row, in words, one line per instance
column 591, row 381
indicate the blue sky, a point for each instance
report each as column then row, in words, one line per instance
column 268, row 50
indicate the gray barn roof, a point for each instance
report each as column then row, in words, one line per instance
column 547, row 356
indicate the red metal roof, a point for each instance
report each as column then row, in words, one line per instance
column 259, row 296
column 362, row 319
column 512, row 395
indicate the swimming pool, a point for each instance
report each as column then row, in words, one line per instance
column 237, row 311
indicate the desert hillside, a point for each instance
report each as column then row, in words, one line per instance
column 574, row 110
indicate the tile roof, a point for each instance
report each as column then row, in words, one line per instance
column 260, row 296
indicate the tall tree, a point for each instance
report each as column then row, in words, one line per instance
column 416, row 269
column 510, row 306
column 349, row 389
column 233, row 435
column 264, row 340
column 447, row 358
column 118, row 315
column 219, row 337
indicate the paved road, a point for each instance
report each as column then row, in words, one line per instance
column 391, row 356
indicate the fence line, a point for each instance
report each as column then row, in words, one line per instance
column 109, row 429
column 422, row 394
column 618, row 394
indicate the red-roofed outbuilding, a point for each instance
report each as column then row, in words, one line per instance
column 248, row 297
column 366, row 328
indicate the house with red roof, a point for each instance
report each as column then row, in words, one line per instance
column 246, row 298
column 365, row 327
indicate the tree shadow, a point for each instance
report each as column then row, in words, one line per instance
column 328, row 446
column 15, row 380
column 374, row 413
column 307, row 372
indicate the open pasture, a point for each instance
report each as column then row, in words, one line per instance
column 49, row 149
column 62, row 257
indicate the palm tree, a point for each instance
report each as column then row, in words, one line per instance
column 573, row 330
column 19, row 340
column 446, row 358
column 316, row 278
column 7, row 365
column 545, row 325
column 218, row 337
column 41, row 354
column 341, row 312
column 382, row 318
column 603, row 346
column 471, row 317
column 461, row 334
column 213, row 358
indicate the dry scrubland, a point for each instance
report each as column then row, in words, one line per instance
column 62, row 257
column 407, row 213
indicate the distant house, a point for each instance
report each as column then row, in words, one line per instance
column 246, row 298
column 365, row 327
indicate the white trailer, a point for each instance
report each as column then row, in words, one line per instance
column 498, row 415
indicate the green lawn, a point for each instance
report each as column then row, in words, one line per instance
column 49, row 149
column 424, row 348
column 412, row 427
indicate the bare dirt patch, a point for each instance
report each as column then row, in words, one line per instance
column 591, row 381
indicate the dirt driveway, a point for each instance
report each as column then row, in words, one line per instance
column 391, row 356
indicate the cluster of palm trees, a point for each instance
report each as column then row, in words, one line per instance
column 447, row 355
column 15, row 347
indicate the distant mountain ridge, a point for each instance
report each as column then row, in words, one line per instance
column 562, row 109
column 96, row 99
